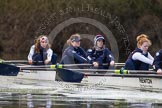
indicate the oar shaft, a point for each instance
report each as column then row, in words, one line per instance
column 18, row 61
column 38, row 69
column 116, row 71
column 141, row 72
column 13, row 61
column 54, row 66
column 126, row 75
column 60, row 65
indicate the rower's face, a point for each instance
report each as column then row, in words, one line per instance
column 144, row 47
column 75, row 43
column 43, row 44
column 100, row 43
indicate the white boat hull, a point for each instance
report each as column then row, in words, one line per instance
column 143, row 83
column 37, row 75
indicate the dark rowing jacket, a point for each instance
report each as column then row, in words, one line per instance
column 41, row 56
column 74, row 55
column 157, row 64
column 136, row 64
column 100, row 56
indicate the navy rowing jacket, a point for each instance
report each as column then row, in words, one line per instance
column 157, row 64
column 74, row 55
column 136, row 64
column 100, row 56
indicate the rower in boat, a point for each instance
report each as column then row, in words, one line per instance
column 99, row 54
column 41, row 53
column 140, row 58
column 74, row 53
column 157, row 65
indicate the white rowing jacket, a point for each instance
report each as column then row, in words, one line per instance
column 31, row 53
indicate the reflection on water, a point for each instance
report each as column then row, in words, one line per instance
column 54, row 101
column 41, row 94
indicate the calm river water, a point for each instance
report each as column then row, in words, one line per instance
column 20, row 93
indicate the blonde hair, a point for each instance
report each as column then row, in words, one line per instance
column 37, row 44
column 71, row 37
column 141, row 39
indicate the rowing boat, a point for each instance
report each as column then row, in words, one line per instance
column 50, row 74
column 141, row 81
column 146, row 80
column 151, row 82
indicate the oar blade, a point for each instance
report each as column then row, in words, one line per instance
column 8, row 70
column 69, row 75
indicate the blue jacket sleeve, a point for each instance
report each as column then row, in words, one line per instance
column 81, row 58
column 108, row 54
column 100, row 59
column 90, row 55
column 158, row 60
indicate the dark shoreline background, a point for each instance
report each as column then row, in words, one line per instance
column 23, row 20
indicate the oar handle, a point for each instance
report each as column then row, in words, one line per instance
column 121, row 71
column 57, row 66
column 66, row 65
column 72, row 65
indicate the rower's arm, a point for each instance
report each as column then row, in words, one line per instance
column 49, row 54
column 78, row 57
column 142, row 58
column 150, row 56
column 31, row 53
column 109, row 54
column 157, row 61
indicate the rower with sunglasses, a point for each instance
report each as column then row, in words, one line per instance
column 99, row 54
column 41, row 53
column 74, row 53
